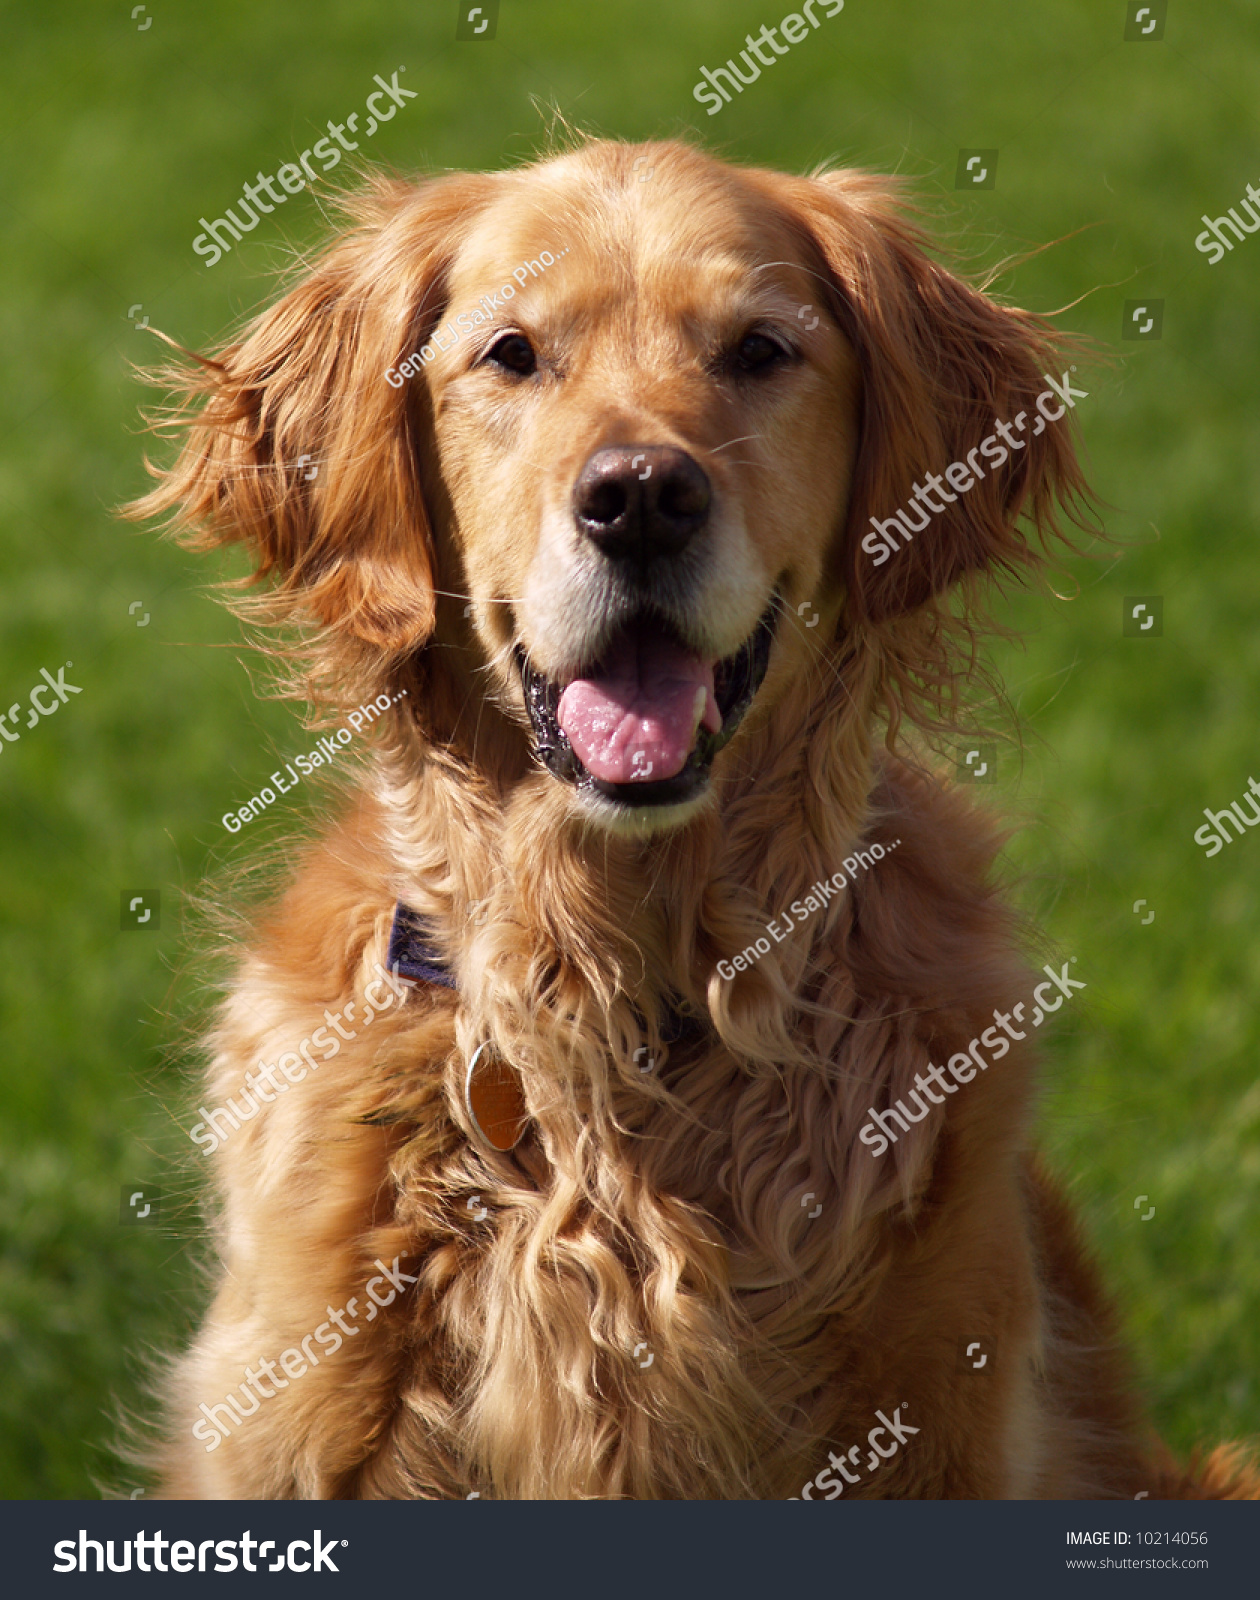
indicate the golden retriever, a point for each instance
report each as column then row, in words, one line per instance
column 571, row 481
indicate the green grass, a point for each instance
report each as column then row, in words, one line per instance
column 114, row 141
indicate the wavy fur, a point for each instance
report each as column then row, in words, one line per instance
column 666, row 1210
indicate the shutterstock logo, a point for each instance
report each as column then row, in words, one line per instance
column 977, row 169
column 1143, row 319
column 299, row 1555
column 1145, row 23
column 478, row 22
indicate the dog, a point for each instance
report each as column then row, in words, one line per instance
column 573, row 487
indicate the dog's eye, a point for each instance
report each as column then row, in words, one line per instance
column 514, row 353
column 758, row 353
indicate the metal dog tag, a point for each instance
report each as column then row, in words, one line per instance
column 494, row 1101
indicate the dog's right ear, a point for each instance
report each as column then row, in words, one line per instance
column 300, row 447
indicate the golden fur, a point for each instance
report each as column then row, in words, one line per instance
column 661, row 1208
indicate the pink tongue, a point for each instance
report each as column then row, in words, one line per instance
column 637, row 721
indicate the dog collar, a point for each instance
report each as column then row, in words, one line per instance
column 411, row 955
column 493, row 1096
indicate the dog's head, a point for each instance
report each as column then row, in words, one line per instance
column 612, row 429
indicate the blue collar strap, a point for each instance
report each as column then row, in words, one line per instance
column 411, row 955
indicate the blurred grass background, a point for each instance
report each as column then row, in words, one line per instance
column 115, row 136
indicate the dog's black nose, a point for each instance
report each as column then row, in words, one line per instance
column 638, row 502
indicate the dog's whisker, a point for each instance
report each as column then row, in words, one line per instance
column 479, row 600
column 742, row 439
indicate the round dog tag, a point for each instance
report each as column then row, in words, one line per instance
column 494, row 1101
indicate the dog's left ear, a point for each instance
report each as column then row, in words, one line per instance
column 304, row 442
column 944, row 370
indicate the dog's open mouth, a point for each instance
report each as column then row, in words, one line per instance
column 643, row 723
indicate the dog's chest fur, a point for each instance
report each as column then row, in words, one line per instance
column 641, row 1313
column 685, row 1283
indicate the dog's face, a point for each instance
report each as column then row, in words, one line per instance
column 648, row 442
column 617, row 424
